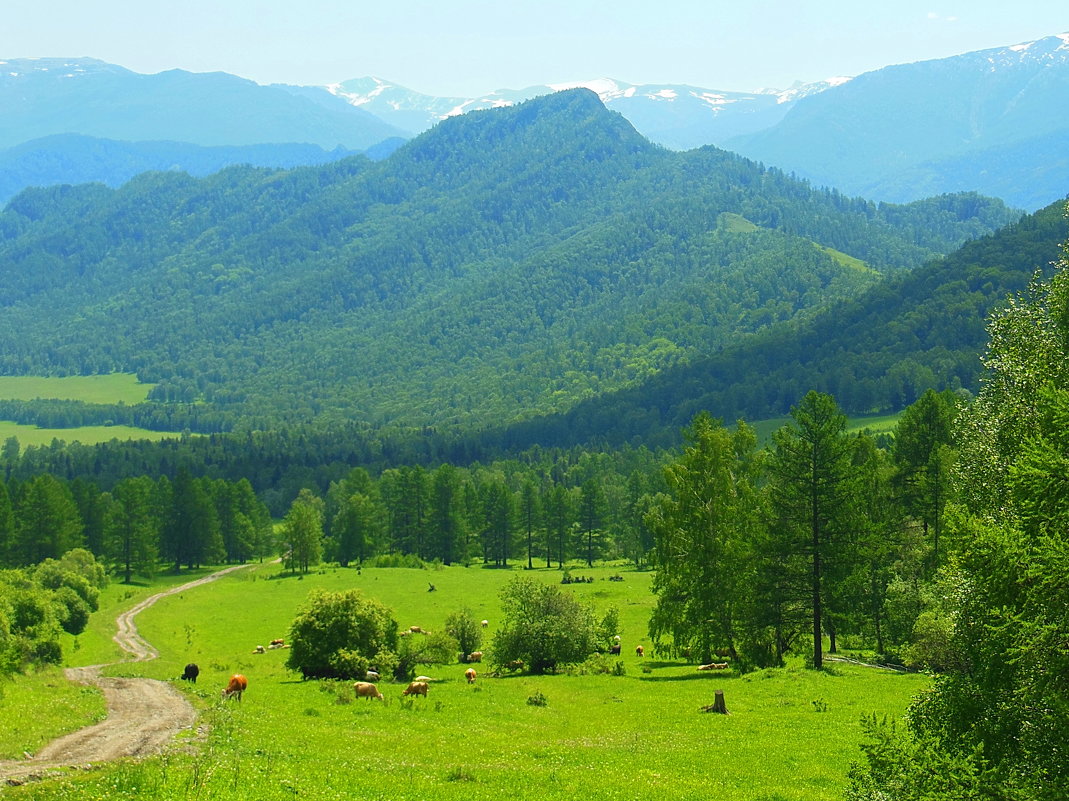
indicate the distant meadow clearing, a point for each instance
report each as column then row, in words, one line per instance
column 791, row 734
column 106, row 389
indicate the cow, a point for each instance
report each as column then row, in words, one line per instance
column 515, row 664
column 191, row 672
column 486, row 623
column 469, row 674
column 365, row 689
column 372, row 675
column 714, row 666
column 475, row 656
column 416, row 688
column 277, row 644
column 236, row 686
column 416, row 630
column 639, row 650
column 259, row 649
column 615, row 649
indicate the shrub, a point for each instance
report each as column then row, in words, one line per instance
column 437, row 648
column 466, row 630
column 338, row 634
column 546, row 627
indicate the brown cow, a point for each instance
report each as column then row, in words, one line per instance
column 365, row 689
column 237, row 685
column 469, row 674
column 416, row 688
column 714, row 666
column 475, row 656
column 639, row 650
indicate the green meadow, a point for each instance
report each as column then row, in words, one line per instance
column 112, row 388
column 107, row 389
column 791, row 733
column 87, row 435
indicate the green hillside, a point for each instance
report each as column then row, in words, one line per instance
column 507, row 263
column 875, row 353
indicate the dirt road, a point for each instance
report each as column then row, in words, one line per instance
column 143, row 714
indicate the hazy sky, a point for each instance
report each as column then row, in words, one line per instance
column 467, row 47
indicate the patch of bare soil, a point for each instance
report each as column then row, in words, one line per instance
column 143, row 714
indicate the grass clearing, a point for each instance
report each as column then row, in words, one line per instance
column 87, row 435
column 113, row 388
column 791, row 734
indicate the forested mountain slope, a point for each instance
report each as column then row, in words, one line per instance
column 505, row 263
column 875, row 353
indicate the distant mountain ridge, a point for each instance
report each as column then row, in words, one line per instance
column 75, row 159
column 675, row 115
column 47, row 96
column 960, row 122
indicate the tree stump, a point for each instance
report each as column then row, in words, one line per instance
column 718, row 704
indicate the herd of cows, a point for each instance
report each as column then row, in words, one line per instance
column 367, row 689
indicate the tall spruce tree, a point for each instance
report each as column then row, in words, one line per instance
column 812, row 497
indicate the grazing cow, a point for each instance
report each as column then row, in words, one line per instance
column 365, row 689
column 714, row 666
column 416, row 688
column 475, row 656
column 469, row 674
column 372, row 675
column 191, row 672
column 486, row 623
column 416, row 630
column 615, row 649
column 639, row 650
column 237, row 685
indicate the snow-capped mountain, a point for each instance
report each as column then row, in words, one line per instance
column 951, row 124
column 674, row 115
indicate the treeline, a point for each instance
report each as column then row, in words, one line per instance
column 137, row 526
column 50, row 413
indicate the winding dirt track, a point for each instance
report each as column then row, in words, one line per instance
column 143, row 714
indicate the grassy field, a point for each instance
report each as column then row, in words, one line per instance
column 791, row 735
column 113, row 388
column 87, row 435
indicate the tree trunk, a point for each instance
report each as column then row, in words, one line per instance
column 718, row 704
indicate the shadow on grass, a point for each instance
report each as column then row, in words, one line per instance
column 705, row 675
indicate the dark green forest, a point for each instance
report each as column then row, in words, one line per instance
column 502, row 265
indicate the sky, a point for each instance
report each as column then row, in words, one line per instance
column 464, row 48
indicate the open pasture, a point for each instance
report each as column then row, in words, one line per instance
column 112, row 388
column 87, row 435
column 791, row 734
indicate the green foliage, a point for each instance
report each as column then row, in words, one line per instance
column 302, row 533
column 703, row 528
column 545, row 627
column 466, row 630
column 434, row 648
column 339, row 634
